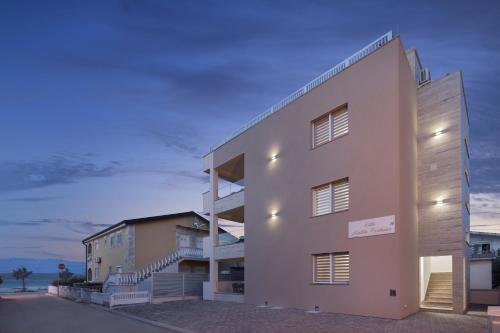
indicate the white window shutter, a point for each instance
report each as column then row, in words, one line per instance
column 341, row 271
column 341, row 196
column 340, row 123
column 321, row 131
column 322, row 200
column 322, row 268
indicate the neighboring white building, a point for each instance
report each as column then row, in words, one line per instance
column 485, row 247
column 484, row 242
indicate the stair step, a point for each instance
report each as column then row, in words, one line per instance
column 438, row 305
column 438, row 294
column 439, row 299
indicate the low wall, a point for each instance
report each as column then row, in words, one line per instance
column 73, row 293
column 485, row 296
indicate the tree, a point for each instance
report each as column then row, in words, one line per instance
column 65, row 275
column 21, row 274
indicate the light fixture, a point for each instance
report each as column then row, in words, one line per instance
column 274, row 157
column 274, row 215
column 438, row 132
column 439, row 202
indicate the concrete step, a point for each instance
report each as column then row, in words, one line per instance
column 439, row 299
column 438, row 294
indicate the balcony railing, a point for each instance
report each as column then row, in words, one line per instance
column 229, row 189
column 483, row 255
column 379, row 42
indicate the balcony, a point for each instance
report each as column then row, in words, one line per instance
column 230, row 203
column 478, row 255
column 231, row 251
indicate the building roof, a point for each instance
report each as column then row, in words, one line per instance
column 483, row 233
column 145, row 220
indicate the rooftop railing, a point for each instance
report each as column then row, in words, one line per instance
column 379, row 42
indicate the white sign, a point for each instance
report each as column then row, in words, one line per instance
column 372, row 227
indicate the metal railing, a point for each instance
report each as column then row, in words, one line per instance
column 483, row 254
column 384, row 39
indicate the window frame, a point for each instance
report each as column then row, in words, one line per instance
column 332, row 196
column 331, row 137
column 332, row 256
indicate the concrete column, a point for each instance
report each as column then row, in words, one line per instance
column 214, row 228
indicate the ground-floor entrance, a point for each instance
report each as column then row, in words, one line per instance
column 436, row 282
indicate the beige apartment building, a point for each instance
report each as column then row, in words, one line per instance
column 353, row 193
column 137, row 246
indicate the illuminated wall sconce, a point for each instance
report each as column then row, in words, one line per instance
column 439, row 202
column 274, row 157
column 274, row 215
column 439, row 132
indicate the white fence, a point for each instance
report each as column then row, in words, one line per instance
column 136, row 297
column 108, row 299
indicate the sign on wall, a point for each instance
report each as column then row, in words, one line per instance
column 373, row 227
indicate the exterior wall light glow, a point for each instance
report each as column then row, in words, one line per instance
column 439, row 202
column 274, row 157
column 274, row 215
column 438, row 132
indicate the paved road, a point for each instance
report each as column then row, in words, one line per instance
column 48, row 314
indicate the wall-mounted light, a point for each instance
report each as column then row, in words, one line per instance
column 439, row 132
column 439, row 202
column 274, row 157
column 274, row 215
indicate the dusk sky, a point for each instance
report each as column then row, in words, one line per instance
column 107, row 106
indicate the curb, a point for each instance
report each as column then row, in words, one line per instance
column 147, row 321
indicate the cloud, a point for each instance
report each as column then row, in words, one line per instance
column 31, row 199
column 485, row 211
column 196, row 175
column 80, row 227
column 23, row 175
column 181, row 139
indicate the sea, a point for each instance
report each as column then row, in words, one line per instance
column 34, row 282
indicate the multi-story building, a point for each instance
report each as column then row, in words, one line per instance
column 352, row 191
column 133, row 246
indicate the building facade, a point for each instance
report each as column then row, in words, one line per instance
column 351, row 191
column 132, row 245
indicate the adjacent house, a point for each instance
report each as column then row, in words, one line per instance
column 485, row 250
column 133, row 246
column 353, row 192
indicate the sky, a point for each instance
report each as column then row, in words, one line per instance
column 106, row 107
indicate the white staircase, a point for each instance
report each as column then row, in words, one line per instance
column 131, row 280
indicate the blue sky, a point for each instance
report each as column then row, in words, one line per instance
column 107, row 106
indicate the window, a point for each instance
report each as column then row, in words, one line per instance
column 112, row 241
column 119, row 238
column 329, row 127
column 331, row 268
column 331, row 198
column 96, row 245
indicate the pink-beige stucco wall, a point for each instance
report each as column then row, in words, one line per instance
column 376, row 156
